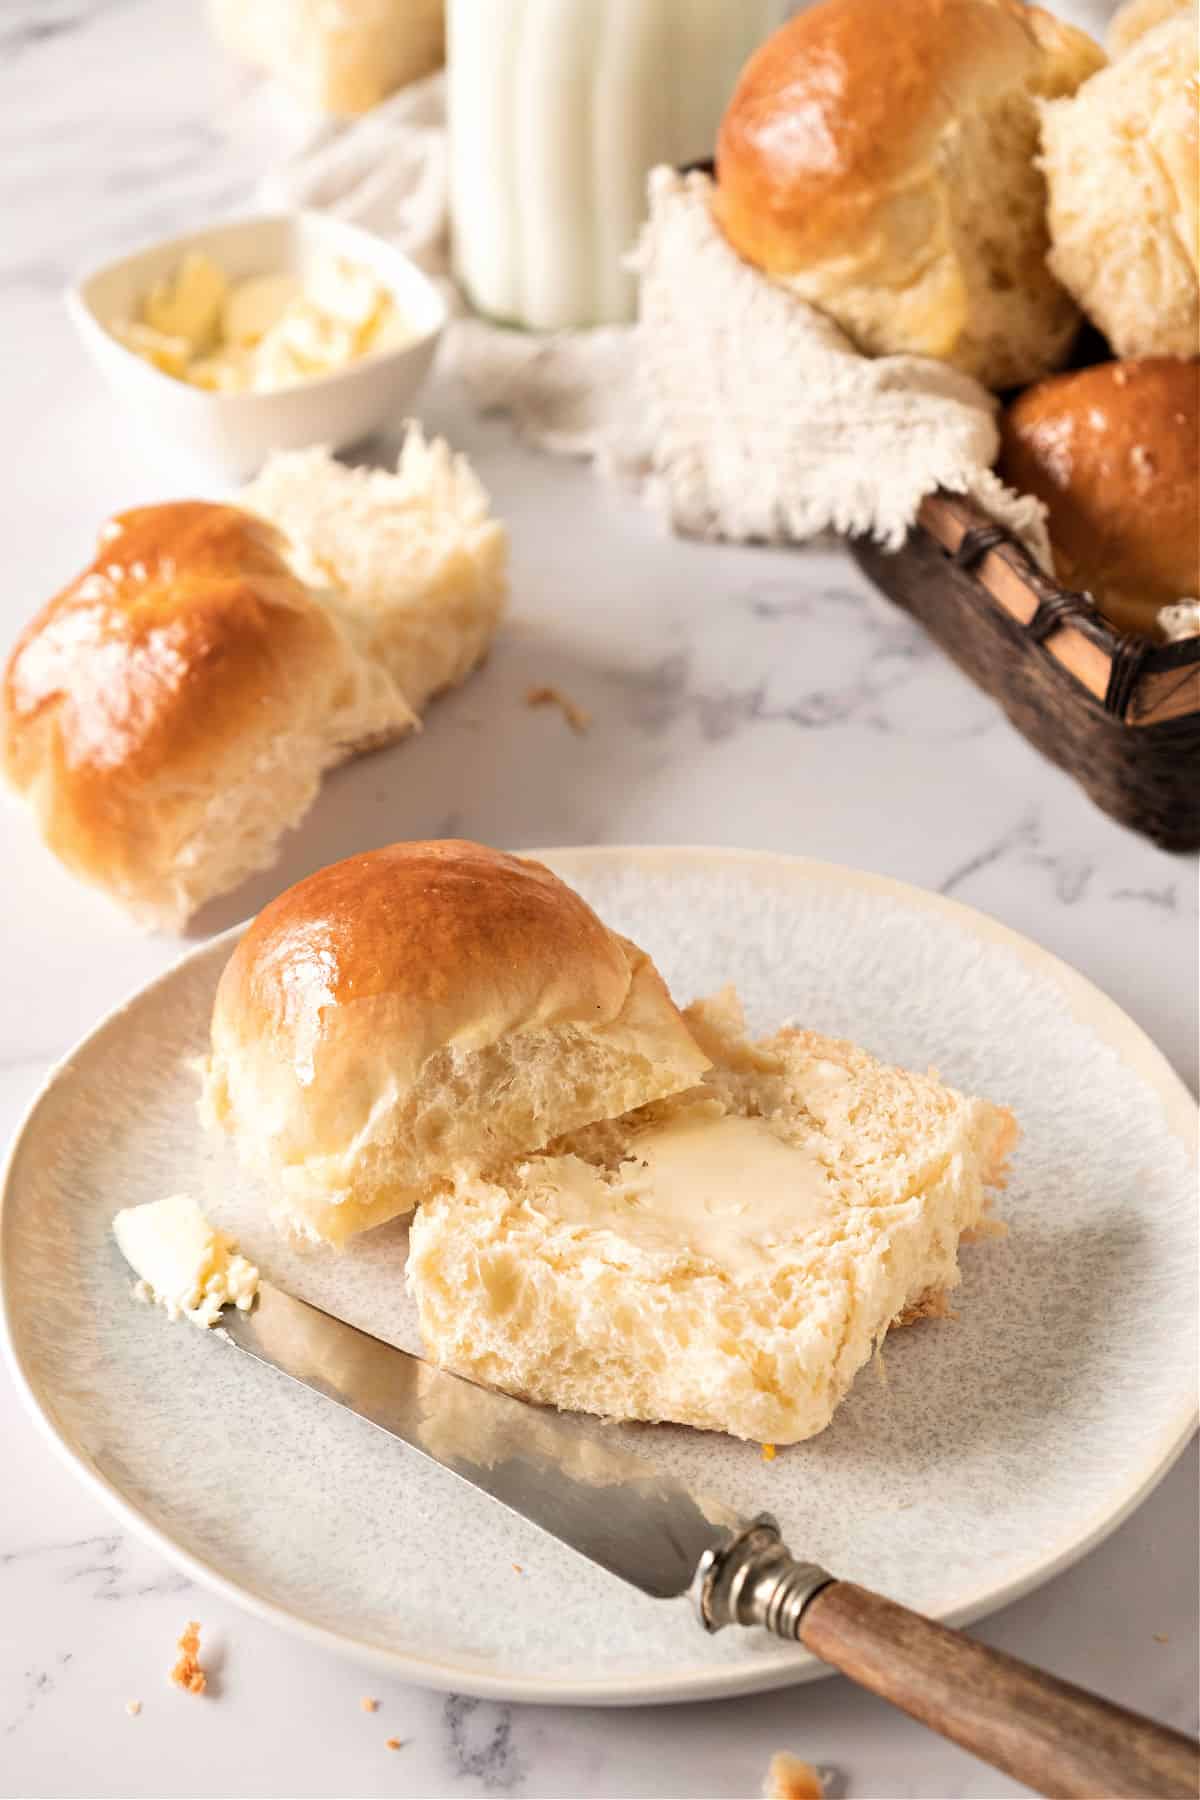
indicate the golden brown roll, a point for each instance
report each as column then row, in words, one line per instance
column 171, row 712
column 1113, row 452
column 880, row 162
column 422, row 1011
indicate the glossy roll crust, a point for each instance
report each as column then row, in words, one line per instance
column 881, row 162
column 425, row 1008
column 1113, row 452
column 465, row 943
column 143, row 697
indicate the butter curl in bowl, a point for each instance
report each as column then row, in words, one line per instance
column 262, row 334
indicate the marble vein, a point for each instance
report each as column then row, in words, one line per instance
column 38, row 1684
column 100, row 1565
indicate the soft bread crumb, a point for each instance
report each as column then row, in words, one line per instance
column 369, row 1705
column 133, row 1708
column 416, row 563
column 790, row 1779
column 187, row 1673
column 538, row 1278
column 1119, row 157
column 577, row 717
column 517, row 1569
column 393, row 1744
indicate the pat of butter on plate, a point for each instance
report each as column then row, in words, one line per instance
column 184, row 1264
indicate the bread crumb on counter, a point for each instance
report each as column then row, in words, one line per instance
column 187, row 1673
column 577, row 717
column 393, row 1744
column 788, row 1778
column 768, row 1453
column 517, row 1569
column 368, row 1704
column 133, row 1708
column 1161, row 1637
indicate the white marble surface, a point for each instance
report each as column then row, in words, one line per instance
column 740, row 697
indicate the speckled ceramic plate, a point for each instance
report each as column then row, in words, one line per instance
column 980, row 1458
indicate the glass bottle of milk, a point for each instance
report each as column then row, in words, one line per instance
column 558, row 110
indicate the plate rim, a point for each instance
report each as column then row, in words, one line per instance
column 787, row 1667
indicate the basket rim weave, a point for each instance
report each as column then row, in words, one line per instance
column 1137, row 681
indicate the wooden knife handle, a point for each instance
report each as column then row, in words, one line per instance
column 1057, row 1739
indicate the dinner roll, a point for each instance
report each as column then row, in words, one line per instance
column 727, row 1258
column 339, row 56
column 1113, row 453
column 170, row 714
column 422, row 1010
column 1120, row 160
column 881, row 164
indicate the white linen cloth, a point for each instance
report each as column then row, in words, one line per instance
column 736, row 409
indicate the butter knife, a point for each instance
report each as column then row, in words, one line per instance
column 570, row 1478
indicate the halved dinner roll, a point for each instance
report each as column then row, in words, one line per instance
column 727, row 1258
column 421, row 1012
column 170, row 714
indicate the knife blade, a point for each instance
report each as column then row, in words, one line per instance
column 567, row 1477
column 619, row 1511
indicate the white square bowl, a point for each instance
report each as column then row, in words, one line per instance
column 235, row 433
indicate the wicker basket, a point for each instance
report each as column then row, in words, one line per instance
column 1120, row 714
